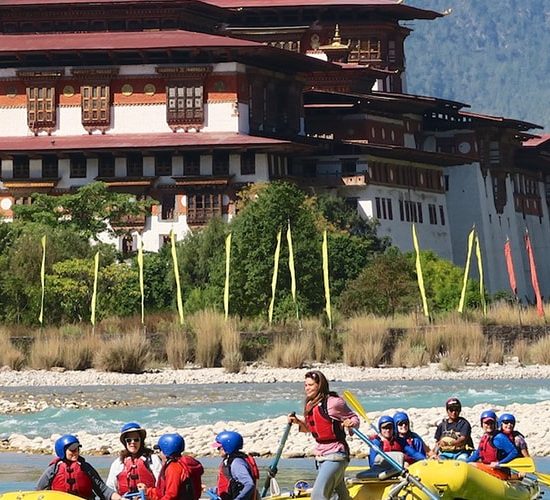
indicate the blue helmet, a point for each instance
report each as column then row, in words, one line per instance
column 488, row 415
column 63, row 443
column 132, row 427
column 506, row 417
column 230, row 441
column 171, row 444
column 384, row 419
column 400, row 416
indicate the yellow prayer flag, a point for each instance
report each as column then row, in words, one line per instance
column 43, row 280
column 141, row 285
column 179, row 299
column 480, row 269
column 94, row 294
column 471, row 238
column 326, row 280
column 292, row 268
column 419, row 274
column 275, row 273
column 227, row 265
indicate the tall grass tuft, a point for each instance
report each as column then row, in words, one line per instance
column 231, row 347
column 434, row 340
column 129, row 353
column 411, row 350
column 287, row 353
column 208, row 327
column 177, row 346
column 364, row 340
column 504, row 313
column 539, row 352
column 464, row 340
column 47, row 350
column 79, row 351
column 9, row 354
column 521, row 351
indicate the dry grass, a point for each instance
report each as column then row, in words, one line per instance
column 434, row 340
column 208, row 327
column 289, row 353
column 47, row 350
column 364, row 339
column 495, row 352
column 465, row 340
column 9, row 354
column 451, row 361
column 117, row 325
column 411, row 350
column 129, row 353
column 177, row 347
column 231, row 343
column 79, row 351
column 503, row 313
column 539, row 352
column 521, row 351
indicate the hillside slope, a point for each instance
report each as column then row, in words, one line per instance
column 494, row 55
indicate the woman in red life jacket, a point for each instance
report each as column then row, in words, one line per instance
column 403, row 430
column 136, row 463
column 70, row 473
column 238, row 472
column 175, row 481
column 494, row 447
column 507, row 424
column 326, row 417
column 388, row 440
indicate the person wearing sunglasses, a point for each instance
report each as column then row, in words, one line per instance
column 136, row 463
column 326, row 417
column 390, row 442
column 507, row 424
column 70, row 473
column 453, row 436
column 403, row 431
column 494, row 447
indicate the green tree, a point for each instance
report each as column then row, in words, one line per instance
column 254, row 240
column 385, row 287
column 91, row 210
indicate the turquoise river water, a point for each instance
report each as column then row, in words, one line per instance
column 187, row 405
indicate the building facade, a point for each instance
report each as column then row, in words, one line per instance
column 185, row 102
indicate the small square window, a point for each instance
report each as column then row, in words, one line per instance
column 78, row 167
column 248, row 163
column 163, row 164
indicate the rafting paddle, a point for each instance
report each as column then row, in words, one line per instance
column 270, row 482
column 356, row 405
column 527, row 465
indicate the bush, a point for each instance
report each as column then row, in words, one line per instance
column 125, row 354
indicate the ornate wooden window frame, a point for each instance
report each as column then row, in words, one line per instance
column 185, row 95
column 41, row 98
column 202, row 206
column 95, row 97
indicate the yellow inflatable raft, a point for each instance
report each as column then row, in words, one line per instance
column 37, row 495
column 448, row 480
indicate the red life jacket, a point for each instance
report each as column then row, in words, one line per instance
column 229, row 488
column 391, row 445
column 324, row 428
column 71, row 478
column 195, row 470
column 136, row 470
column 488, row 453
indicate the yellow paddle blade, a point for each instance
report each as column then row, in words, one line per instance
column 356, row 406
column 543, row 478
column 522, row 464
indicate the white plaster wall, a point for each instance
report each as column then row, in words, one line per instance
column 470, row 201
column 13, row 122
column 409, row 140
column 221, row 117
column 434, row 237
column 244, row 124
column 139, row 119
column 262, row 170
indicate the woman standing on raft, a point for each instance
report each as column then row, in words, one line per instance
column 326, row 416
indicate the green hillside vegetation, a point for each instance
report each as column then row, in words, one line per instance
column 493, row 55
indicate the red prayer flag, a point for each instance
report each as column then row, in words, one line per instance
column 534, row 278
column 510, row 267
